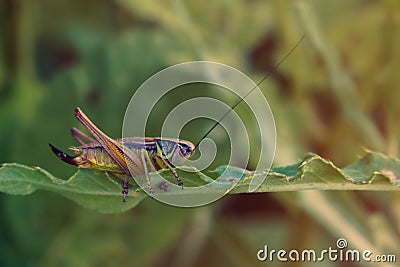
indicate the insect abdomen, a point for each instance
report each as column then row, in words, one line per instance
column 95, row 157
column 90, row 156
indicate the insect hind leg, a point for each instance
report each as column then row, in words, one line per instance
column 78, row 136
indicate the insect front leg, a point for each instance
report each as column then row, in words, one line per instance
column 171, row 167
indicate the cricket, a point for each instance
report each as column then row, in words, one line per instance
column 131, row 156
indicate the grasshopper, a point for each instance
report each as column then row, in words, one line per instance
column 132, row 155
column 109, row 155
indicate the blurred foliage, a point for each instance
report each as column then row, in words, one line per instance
column 334, row 96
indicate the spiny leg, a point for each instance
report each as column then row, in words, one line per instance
column 78, row 136
column 117, row 151
column 145, row 156
column 171, row 167
column 125, row 189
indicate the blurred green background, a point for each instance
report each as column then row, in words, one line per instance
column 335, row 96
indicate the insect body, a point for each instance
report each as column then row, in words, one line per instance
column 114, row 155
column 133, row 155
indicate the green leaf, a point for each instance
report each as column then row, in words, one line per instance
column 101, row 192
column 374, row 172
column 90, row 189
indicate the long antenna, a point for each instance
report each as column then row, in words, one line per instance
column 266, row 76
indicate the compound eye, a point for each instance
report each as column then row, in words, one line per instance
column 183, row 151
